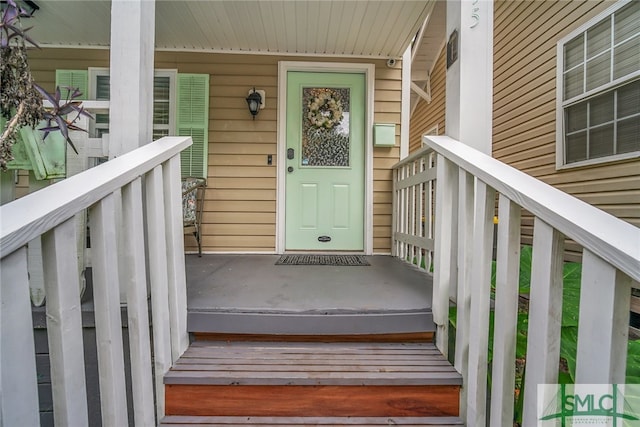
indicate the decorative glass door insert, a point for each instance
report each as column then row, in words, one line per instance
column 325, row 127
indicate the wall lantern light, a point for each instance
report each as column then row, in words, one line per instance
column 255, row 101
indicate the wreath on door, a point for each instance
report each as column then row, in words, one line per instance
column 324, row 111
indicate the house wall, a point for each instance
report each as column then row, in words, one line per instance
column 524, row 107
column 240, row 207
column 428, row 115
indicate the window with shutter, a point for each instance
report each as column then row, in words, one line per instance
column 75, row 79
column 599, row 89
column 193, row 120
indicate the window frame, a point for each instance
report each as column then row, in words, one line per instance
column 562, row 105
column 172, row 74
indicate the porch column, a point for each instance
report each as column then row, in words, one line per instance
column 469, row 99
column 131, row 71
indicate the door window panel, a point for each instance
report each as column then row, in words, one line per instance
column 325, row 127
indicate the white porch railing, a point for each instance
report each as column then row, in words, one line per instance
column 121, row 215
column 413, row 191
column 467, row 184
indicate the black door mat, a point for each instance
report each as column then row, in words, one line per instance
column 339, row 260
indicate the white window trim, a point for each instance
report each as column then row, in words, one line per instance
column 94, row 72
column 560, row 148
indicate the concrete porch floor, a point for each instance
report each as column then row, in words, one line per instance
column 250, row 294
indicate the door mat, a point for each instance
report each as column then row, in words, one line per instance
column 339, row 260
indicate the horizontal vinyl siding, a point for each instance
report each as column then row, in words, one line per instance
column 524, row 112
column 240, row 206
column 428, row 115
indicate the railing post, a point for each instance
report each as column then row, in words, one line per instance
column 480, row 304
column 175, row 252
column 64, row 324
column 506, row 313
column 446, row 182
column 605, row 296
column 545, row 315
column 18, row 383
column 135, row 284
column 106, row 296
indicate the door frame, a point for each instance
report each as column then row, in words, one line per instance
column 337, row 67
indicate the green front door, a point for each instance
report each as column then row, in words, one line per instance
column 325, row 162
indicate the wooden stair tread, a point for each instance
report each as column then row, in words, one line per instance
column 190, row 421
column 255, row 363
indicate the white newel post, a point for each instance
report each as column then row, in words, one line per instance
column 131, row 79
column 131, row 74
column 469, row 87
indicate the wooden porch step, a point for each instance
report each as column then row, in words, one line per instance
column 188, row 421
column 259, row 379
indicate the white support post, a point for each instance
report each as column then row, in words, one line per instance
column 131, row 75
column 175, row 252
column 447, row 182
column 545, row 315
column 18, row 381
column 157, row 246
column 469, row 103
column 394, row 211
column 464, row 257
column 405, row 115
column 480, row 304
column 506, row 313
column 106, row 299
column 64, row 325
column 134, row 274
column 605, row 297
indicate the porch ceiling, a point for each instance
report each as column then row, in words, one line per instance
column 295, row 27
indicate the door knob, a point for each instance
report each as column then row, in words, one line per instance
column 290, row 169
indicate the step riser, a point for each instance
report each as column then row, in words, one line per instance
column 310, row 323
column 312, row 401
column 416, row 337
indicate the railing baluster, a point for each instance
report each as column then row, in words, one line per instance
column 605, row 297
column 447, row 179
column 395, row 203
column 64, row 324
column 157, row 245
column 479, row 311
column 506, row 313
column 135, row 277
column 106, row 296
column 464, row 257
column 18, row 383
column 545, row 315
column 175, row 251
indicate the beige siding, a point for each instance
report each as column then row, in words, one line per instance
column 240, row 207
column 526, row 34
column 426, row 116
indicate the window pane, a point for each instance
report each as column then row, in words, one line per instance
column 601, row 142
column 599, row 71
column 629, row 135
column 599, row 38
column 573, row 83
column 577, row 117
column 160, row 113
column 159, row 133
column 627, row 58
column 627, row 22
column 629, row 100
column 574, row 52
column 102, row 118
column 161, row 88
column 601, row 109
column 102, row 88
column 577, row 147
